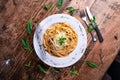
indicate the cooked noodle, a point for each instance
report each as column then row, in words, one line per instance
column 60, row 39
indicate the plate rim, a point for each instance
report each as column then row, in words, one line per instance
column 38, row 43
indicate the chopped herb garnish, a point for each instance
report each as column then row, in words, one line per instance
column 62, row 40
column 29, row 27
column 28, row 64
column 42, row 69
column 26, row 44
column 59, row 4
column 90, row 29
column 72, row 10
column 91, row 64
column 92, row 20
column 47, row 7
column 73, row 70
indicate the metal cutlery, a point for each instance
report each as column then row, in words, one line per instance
column 94, row 25
column 84, row 18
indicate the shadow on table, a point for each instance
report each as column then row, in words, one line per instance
column 113, row 72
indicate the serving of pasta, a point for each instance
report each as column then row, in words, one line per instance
column 60, row 39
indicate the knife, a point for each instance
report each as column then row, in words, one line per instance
column 94, row 25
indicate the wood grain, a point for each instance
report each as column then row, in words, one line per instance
column 13, row 17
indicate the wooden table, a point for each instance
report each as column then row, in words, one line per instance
column 13, row 17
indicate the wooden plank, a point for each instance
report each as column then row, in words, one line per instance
column 13, row 17
column 103, row 53
column 16, row 20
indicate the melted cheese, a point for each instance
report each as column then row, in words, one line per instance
column 58, row 36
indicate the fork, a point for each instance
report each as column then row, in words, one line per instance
column 84, row 18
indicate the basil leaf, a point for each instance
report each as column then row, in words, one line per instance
column 29, row 27
column 59, row 4
column 26, row 44
column 42, row 69
column 90, row 29
column 73, row 71
column 47, row 7
column 62, row 40
column 92, row 20
column 91, row 64
column 28, row 64
column 72, row 10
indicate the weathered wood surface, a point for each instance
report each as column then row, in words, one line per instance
column 13, row 17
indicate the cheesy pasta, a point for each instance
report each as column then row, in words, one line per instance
column 60, row 39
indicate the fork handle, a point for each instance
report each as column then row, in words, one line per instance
column 92, row 35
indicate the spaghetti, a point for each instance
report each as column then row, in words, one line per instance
column 60, row 39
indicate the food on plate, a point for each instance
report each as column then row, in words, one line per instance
column 60, row 39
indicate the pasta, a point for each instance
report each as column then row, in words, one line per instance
column 60, row 39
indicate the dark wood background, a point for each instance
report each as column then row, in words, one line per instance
column 13, row 17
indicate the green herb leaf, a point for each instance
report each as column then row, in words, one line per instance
column 28, row 64
column 72, row 10
column 92, row 20
column 59, row 4
column 26, row 44
column 47, row 7
column 56, row 70
column 29, row 27
column 90, row 29
column 62, row 40
column 73, row 71
column 42, row 69
column 91, row 64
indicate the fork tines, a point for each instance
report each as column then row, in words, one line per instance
column 82, row 13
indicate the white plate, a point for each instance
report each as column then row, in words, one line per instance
column 74, row 56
